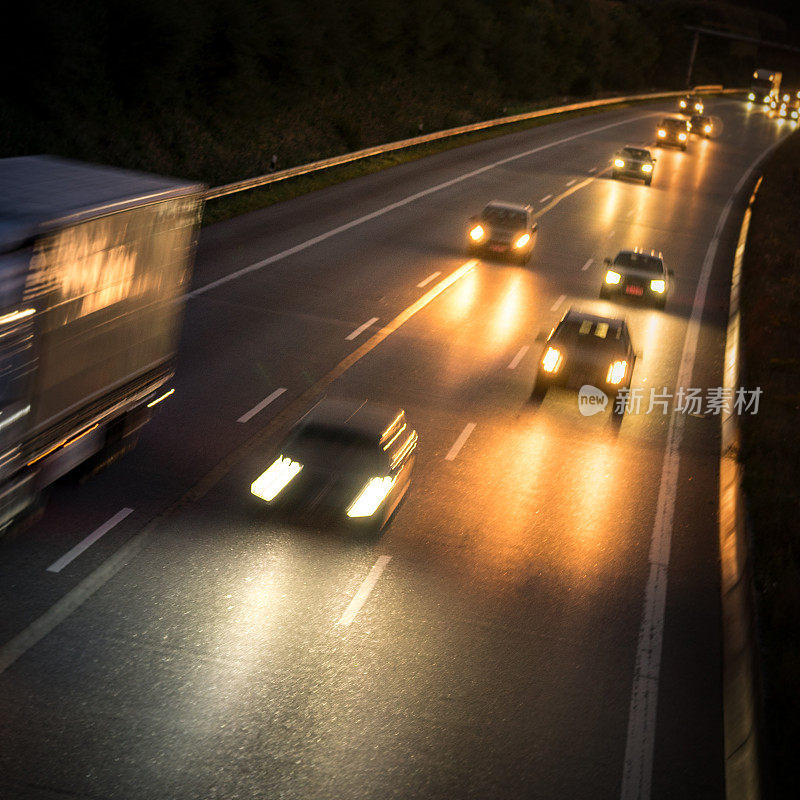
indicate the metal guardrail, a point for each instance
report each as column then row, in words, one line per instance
column 346, row 158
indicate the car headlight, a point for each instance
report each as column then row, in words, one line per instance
column 682, row 137
column 647, row 167
column 618, row 162
column 612, row 277
column 522, row 240
column 698, row 108
column 786, row 98
column 707, row 129
column 683, row 104
column 277, row 476
column 766, row 100
column 477, row 233
column 751, row 96
column 552, row 360
column 371, row 496
column 616, row 372
column 661, row 133
column 795, row 114
column 658, row 286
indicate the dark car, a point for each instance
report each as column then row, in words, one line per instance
column 587, row 349
column 636, row 274
column 345, row 462
column 505, row 229
column 690, row 104
column 702, row 125
column 674, row 132
column 633, row 162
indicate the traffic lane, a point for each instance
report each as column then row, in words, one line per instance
column 176, row 614
column 235, row 243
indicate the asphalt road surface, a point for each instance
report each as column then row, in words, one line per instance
column 540, row 619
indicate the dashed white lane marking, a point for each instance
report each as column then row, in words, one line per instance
column 574, row 180
column 86, row 543
column 459, row 443
column 360, row 329
column 558, row 302
column 587, row 265
column 261, row 406
column 545, row 198
column 298, row 248
column 518, row 357
column 611, row 234
column 363, row 591
column 637, row 775
column 593, row 169
column 427, row 280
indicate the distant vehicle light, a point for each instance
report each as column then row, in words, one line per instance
column 682, row 137
column 647, row 167
column 794, row 114
column 277, row 476
column 766, row 100
column 522, row 240
column 661, row 133
column 612, row 277
column 552, row 360
column 786, row 98
column 477, row 233
column 618, row 162
column 682, row 104
column 751, row 96
column 707, row 129
column 658, row 286
column 698, row 107
column 616, row 372
column 371, row 496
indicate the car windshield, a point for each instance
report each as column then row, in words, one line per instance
column 673, row 124
column 633, row 152
column 639, row 261
column 336, row 449
column 506, row 217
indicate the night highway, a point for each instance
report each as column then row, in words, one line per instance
column 541, row 616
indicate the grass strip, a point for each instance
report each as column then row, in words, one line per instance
column 771, row 451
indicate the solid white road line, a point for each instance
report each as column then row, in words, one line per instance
column 86, row 543
column 261, row 406
column 432, row 276
column 360, row 329
column 518, row 357
column 546, row 198
column 298, row 248
column 363, row 591
column 574, row 180
column 558, row 302
column 587, row 265
column 637, row 773
column 459, row 443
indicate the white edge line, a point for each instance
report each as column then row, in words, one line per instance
column 86, row 543
column 519, row 356
column 261, row 406
column 360, row 597
column 459, row 443
column 558, row 302
column 432, row 276
column 637, row 775
column 298, row 248
column 587, row 265
column 360, row 329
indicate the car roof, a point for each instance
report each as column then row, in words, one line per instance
column 360, row 418
column 635, row 147
column 508, row 206
column 640, row 251
column 573, row 315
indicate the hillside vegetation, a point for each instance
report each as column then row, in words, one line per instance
column 211, row 89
